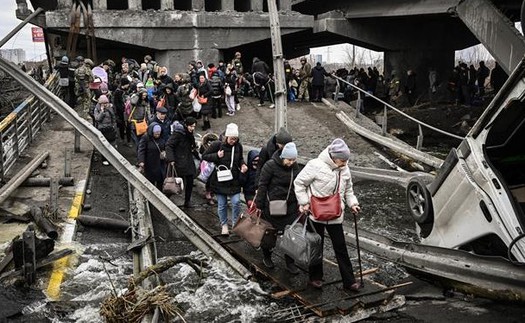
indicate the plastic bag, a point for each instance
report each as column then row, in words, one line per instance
column 206, row 168
column 196, row 105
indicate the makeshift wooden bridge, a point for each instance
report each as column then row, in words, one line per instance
column 329, row 300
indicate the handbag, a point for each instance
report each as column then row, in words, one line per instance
column 280, row 207
column 256, row 231
column 172, row 183
column 162, row 153
column 202, row 99
column 305, row 247
column 224, row 174
column 141, row 126
column 328, row 207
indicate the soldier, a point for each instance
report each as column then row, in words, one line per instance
column 83, row 76
column 305, row 76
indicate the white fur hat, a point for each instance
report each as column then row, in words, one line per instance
column 232, row 130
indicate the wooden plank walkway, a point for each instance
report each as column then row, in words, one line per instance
column 329, row 300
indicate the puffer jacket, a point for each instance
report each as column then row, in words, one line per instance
column 229, row 187
column 319, row 177
column 274, row 184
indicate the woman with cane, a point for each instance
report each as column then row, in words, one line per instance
column 322, row 188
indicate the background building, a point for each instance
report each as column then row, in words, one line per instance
column 16, row 55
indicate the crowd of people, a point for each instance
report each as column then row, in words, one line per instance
column 144, row 107
column 141, row 105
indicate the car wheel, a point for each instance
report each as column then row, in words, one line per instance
column 419, row 202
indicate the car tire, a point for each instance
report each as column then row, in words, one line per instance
column 419, row 202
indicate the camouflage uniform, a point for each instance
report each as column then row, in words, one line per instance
column 305, row 75
column 83, row 76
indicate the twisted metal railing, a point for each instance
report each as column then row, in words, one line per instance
column 359, row 106
column 20, row 127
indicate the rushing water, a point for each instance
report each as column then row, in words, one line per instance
column 220, row 295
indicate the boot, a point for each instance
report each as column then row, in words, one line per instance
column 207, row 124
column 225, row 231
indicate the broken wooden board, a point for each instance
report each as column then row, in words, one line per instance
column 329, row 300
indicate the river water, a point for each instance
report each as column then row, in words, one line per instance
column 221, row 295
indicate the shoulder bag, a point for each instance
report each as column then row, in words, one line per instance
column 304, row 246
column 280, row 207
column 223, row 173
column 328, row 207
column 254, row 230
column 141, row 126
column 172, row 183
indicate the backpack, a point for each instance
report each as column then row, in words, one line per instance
column 80, row 73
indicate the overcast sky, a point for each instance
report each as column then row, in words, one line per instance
column 22, row 39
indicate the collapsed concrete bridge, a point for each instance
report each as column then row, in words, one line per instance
column 413, row 34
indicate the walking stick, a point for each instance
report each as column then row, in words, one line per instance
column 358, row 251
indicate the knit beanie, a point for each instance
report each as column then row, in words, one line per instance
column 282, row 137
column 157, row 128
column 339, row 150
column 103, row 87
column 289, row 151
column 103, row 99
column 232, row 130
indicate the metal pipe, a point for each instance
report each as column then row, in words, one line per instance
column 400, row 112
column 20, row 26
column 21, row 176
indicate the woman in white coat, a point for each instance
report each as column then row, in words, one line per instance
column 321, row 177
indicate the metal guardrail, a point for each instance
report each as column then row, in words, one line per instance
column 387, row 106
column 19, row 128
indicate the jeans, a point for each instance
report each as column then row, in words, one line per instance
column 222, row 207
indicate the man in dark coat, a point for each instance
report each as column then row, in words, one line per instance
column 180, row 150
column 276, row 142
column 318, row 74
column 161, row 119
column 497, row 77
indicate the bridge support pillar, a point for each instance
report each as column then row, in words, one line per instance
column 197, row 5
column 285, row 5
column 227, row 5
column 257, row 5
column 63, row 4
column 177, row 60
column 167, row 5
column 419, row 61
column 134, row 5
column 100, row 4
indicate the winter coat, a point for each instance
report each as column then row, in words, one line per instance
column 320, row 177
column 104, row 118
column 183, row 95
column 274, row 184
column 181, row 148
column 260, row 66
column 265, row 155
column 229, row 187
column 148, row 152
column 205, row 90
column 318, row 74
column 248, row 179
